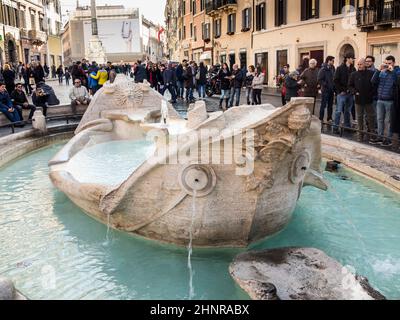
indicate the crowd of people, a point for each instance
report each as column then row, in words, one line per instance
column 364, row 93
column 19, row 82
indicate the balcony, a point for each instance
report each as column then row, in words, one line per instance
column 384, row 15
column 36, row 35
column 216, row 7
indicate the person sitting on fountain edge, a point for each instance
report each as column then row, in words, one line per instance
column 78, row 95
column 20, row 101
column 6, row 106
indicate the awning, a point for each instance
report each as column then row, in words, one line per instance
column 205, row 55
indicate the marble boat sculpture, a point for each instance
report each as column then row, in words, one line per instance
column 236, row 202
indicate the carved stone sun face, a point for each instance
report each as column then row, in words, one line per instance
column 129, row 94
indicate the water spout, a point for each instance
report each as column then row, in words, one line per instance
column 190, row 248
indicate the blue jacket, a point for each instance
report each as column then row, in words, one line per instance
column 325, row 78
column 5, row 99
column 386, row 83
column 93, row 83
column 169, row 77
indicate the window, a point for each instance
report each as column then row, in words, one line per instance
column 195, row 33
column 202, row 5
column 231, row 23
column 33, row 21
column 217, row 28
column 41, row 23
column 206, row 31
column 184, row 32
column 260, row 17
column 191, row 30
column 22, row 19
column 180, row 34
column 337, row 5
column 193, row 6
column 309, row 9
column 17, row 21
column 280, row 12
column 281, row 60
column 246, row 20
column 184, row 7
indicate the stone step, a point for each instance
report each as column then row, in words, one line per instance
column 52, row 111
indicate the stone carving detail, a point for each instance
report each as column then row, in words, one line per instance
column 129, row 94
column 300, row 119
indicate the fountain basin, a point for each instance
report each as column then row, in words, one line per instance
column 246, row 167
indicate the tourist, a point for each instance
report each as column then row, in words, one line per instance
column 386, row 80
column 20, row 102
column 140, row 72
column 201, row 80
column 292, row 86
column 46, row 70
column 53, row 71
column 67, row 76
column 160, row 79
column 325, row 81
column 170, row 82
column 6, row 106
column 78, row 73
column 189, row 84
column 309, row 81
column 60, row 74
column 38, row 73
column 345, row 100
column 281, row 81
column 304, row 65
column 9, row 78
column 93, row 83
column 180, row 81
column 101, row 77
column 370, row 63
column 249, row 84
column 25, row 77
column 236, row 85
column 224, row 75
column 78, row 95
column 360, row 85
column 19, row 70
column 257, row 86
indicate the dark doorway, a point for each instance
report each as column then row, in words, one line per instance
column 317, row 55
column 347, row 49
column 261, row 61
column 281, row 60
column 243, row 60
column 12, row 54
column 231, row 60
column 26, row 56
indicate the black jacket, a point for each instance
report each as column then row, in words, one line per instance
column 395, row 114
column 237, row 82
column 341, row 78
column 292, row 88
column 170, row 77
column 140, row 73
column 361, row 87
column 225, row 83
column 203, row 76
column 18, row 98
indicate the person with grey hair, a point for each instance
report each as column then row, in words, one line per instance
column 309, row 81
column 360, row 85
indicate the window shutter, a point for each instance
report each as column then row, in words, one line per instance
column 335, row 7
column 249, row 18
column 277, row 13
column 243, row 18
column 304, row 10
column 316, row 9
column 284, row 13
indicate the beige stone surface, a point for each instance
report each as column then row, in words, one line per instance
column 233, row 207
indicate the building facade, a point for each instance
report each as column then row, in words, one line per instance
column 271, row 33
column 380, row 20
column 125, row 34
column 30, row 31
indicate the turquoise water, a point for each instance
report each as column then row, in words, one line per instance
column 126, row 155
column 54, row 251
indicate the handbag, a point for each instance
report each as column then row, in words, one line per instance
column 32, row 81
column 198, row 75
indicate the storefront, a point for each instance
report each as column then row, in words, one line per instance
column 384, row 43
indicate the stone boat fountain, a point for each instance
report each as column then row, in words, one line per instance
column 244, row 168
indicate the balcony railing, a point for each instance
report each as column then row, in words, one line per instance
column 382, row 14
column 37, row 35
column 215, row 5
